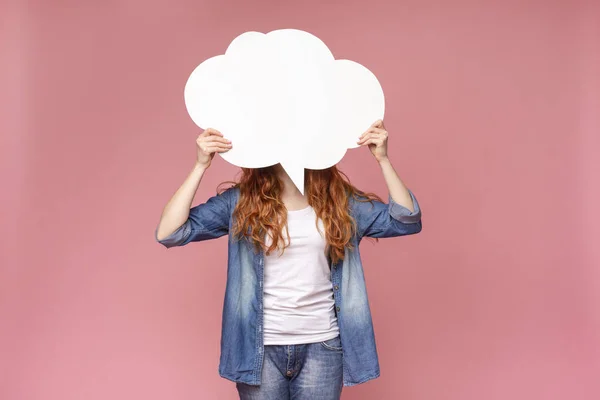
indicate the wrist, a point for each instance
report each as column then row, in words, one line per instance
column 383, row 161
column 200, row 167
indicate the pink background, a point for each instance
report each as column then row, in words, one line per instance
column 493, row 115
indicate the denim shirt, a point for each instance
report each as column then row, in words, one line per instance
column 242, row 348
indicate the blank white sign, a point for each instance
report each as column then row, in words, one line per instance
column 281, row 97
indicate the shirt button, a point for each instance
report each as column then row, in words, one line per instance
column 338, row 308
column 336, row 287
column 289, row 373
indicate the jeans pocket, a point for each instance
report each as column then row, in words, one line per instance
column 334, row 344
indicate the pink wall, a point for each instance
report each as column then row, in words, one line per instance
column 493, row 114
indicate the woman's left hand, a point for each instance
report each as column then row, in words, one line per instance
column 376, row 137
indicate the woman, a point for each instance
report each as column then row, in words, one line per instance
column 296, row 318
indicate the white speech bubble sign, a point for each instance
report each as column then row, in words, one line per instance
column 281, row 97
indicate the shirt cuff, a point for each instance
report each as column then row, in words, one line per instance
column 403, row 214
column 175, row 238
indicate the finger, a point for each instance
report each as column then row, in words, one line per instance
column 217, row 149
column 379, row 130
column 377, row 124
column 365, row 134
column 219, row 146
column 211, row 132
column 363, row 140
column 371, row 135
column 214, row 132
column 215, row 139
column 212, row 141
column 376, row 142
column 206, row 147
column 373, row 129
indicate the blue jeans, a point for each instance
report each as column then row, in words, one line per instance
column 311, row 371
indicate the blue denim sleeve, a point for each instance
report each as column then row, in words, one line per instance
column 380, row 220
column 208, row 220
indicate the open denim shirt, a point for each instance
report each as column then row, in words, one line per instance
column 242, row 348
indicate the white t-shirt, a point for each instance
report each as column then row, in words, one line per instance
column 298, row 299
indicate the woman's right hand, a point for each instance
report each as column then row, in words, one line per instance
column 208, row 143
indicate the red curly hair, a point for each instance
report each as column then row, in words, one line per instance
column 260, row 210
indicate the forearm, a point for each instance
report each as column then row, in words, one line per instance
column 396, row 187
column 177, row 210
